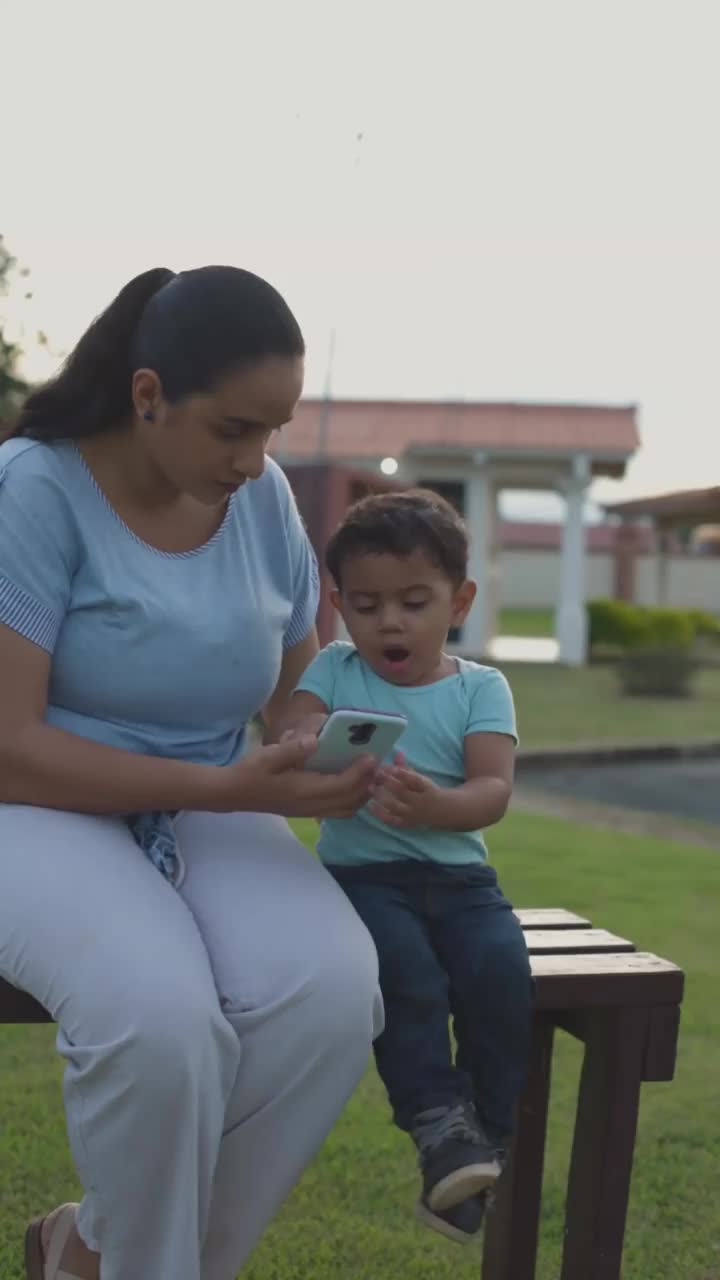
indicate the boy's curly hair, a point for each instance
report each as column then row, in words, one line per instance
column 398, row 524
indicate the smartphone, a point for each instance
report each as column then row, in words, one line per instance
column 349, row 734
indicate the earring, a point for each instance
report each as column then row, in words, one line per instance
column 149, row 416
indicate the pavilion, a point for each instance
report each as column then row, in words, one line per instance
column 470, row 452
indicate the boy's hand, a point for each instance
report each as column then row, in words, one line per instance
column 402, row 797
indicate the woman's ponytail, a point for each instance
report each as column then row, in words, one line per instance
column 92, row 391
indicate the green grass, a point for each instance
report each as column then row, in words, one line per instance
column 561, row 705
column 351, row 1217
column 558, row 706
column 526, row 622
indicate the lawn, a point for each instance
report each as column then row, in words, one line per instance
column 352, row 1214
column 559, row 706
column 562, row 705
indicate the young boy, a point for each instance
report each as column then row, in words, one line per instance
column 414, row 861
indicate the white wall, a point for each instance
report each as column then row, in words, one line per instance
column 531, row 580
column 692, row 582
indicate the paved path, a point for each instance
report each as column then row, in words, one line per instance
column 673, row 800
column 677, row 788
column 523, row 649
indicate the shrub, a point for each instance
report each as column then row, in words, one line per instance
column 655, row 645
column 707, row 626
column 664, row 629
column 613, row 624
column 657, row 673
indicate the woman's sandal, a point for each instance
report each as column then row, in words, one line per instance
column 39, row 1267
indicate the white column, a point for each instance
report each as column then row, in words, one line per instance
column 570, row 617
column 480, row 519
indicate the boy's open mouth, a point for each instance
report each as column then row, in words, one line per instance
column 396, row 653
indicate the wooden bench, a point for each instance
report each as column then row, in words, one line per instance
column 625, row 1007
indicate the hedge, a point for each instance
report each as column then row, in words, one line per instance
column 613, row 624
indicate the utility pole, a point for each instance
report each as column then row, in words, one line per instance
column 324, row 424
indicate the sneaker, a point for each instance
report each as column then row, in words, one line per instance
column 461, row 1223
column 456, row 1157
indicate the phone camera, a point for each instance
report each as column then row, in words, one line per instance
column 359, row 735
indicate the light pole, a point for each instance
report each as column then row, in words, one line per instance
column 324, row 423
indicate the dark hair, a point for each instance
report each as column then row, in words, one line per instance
column 190, row 328
column 398, row 524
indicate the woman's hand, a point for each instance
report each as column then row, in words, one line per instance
column 308, row 727
column 274, row 780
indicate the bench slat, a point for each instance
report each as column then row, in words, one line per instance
column 587, row 981
column 550, row 918
column 18, row 1006
column 574, row 942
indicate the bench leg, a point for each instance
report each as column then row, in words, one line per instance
column 604, row 1144
column 511, row 1232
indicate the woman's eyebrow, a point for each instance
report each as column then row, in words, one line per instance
column 233, row 421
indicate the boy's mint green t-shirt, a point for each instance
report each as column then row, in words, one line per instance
column 440, row 716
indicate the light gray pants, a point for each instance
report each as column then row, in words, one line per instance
column 212, row 1033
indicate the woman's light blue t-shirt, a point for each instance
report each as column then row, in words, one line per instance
column 440, row 717
column 166, row 654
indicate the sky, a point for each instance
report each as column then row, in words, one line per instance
column 516, row 200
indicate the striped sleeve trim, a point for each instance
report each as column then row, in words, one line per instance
column 26, row 615
column 305, row 611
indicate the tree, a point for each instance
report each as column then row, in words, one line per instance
column 12, row 385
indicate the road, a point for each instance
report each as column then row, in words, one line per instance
column 678, row 788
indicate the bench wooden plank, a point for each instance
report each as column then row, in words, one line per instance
column 574, row 942
column 586, row 981
column 550, row 918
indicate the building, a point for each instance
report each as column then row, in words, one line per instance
column 672, row 516
column 470, row 452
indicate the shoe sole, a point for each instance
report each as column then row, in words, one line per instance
column 428, row 1219
column 463, row 1183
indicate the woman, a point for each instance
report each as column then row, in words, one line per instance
column 215, row 995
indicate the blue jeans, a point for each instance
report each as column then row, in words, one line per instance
column 449, row 946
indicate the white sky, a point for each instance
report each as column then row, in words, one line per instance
column 512, row 200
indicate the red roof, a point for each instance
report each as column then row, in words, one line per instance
column 378, row 428
column 688, row 506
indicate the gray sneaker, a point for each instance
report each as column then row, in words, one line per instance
column 456, row 1157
